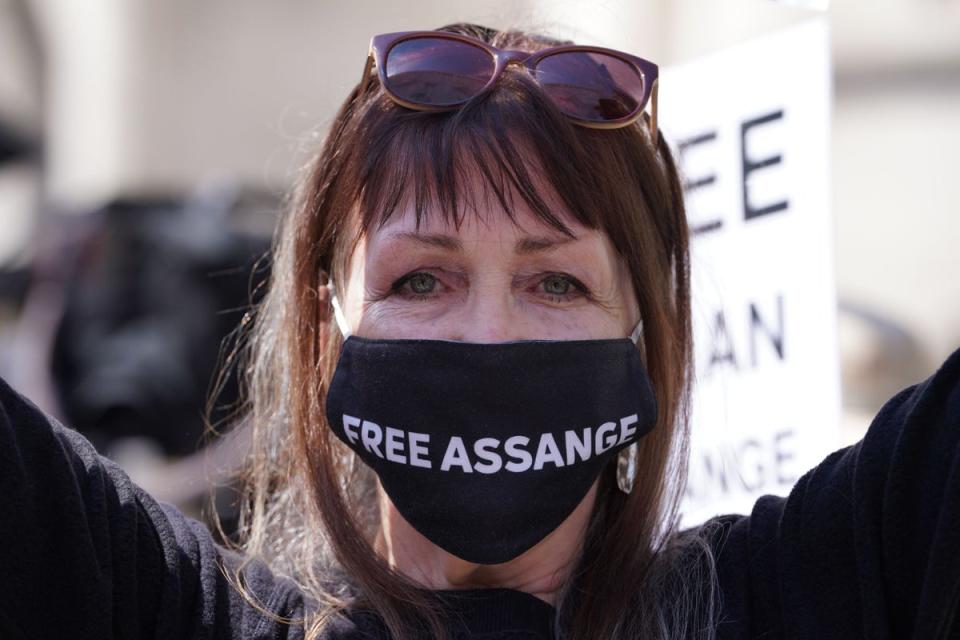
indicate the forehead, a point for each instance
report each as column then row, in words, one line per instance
column 491, row 237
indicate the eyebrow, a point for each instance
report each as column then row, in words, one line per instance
column 432, row 239
column 524, row 246
column 539, row 244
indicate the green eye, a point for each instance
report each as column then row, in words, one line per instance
column 422, row 283
column 556, row 285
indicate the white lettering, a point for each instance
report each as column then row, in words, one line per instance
column 626, row 428
column 523, row 457
column 371, row 436
column 348, row 422
column 604, row 440
column 394, row 446
column 547, row 451
column 416, row 450
column 490, row 455
column 482, row 450
column 456, row 454
column 576, row 446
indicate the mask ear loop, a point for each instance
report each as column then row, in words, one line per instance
column 341, row 321
column 338, row 315
column 637, row 332
column 627, row 458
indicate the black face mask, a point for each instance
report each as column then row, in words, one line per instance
column 486, row 448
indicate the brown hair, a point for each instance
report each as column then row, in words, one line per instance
column 309, row 510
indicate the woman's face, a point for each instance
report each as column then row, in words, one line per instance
column 491, row 280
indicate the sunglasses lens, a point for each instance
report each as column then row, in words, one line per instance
column 437, row 71
column 591, row 86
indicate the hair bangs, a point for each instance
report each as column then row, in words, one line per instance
column 507, row 147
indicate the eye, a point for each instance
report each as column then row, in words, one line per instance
column 557, row 285
column 416, row 285
column 421, row 283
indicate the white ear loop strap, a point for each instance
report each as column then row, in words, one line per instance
column 637, row 332
column 339, row 317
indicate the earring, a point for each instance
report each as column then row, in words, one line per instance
column 627, row 468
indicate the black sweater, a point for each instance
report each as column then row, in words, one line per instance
column 867, row 544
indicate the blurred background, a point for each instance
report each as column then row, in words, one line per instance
column 146, row 146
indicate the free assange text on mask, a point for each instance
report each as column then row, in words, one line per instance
column 517, row 454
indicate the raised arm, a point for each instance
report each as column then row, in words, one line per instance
column 867, row 544
column 86, row 553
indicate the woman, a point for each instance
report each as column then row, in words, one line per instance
column 498, row 448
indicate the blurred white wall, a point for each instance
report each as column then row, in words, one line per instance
column 896, row 197
column 185, row 89
column 21, row 64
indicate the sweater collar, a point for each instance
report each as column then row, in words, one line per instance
column 477, row 611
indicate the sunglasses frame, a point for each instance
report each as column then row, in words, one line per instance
column 380, row 46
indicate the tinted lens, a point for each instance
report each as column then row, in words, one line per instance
column 591, row 86
column 437, row 71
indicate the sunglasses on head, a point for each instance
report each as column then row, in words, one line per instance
column 437, row 71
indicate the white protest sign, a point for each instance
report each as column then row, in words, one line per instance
column 750, row 128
